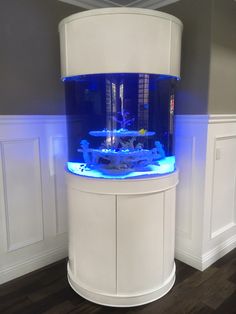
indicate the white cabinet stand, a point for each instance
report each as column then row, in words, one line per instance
column 121, row 238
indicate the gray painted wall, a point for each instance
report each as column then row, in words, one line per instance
column 192, row 95
column 208, row 67
column 29, row 56
column 222, row 91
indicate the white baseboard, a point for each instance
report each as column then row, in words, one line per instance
column 207, row 259
column 31, row 264
column 219, row 251
column 188, row 258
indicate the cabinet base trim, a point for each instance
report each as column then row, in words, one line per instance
column 123, row 300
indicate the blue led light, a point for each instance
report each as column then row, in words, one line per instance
column 83, row 77
column 166, row 165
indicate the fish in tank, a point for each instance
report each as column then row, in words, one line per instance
column 120, row 125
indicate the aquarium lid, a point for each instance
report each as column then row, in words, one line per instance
column 120, row 40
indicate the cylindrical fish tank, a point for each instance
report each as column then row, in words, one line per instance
column 120, row 125
column 120, row 68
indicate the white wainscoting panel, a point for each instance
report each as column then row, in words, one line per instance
column 190, row 149
column 223, row 195
column 33, row 211
column 59, row 159
column 186, row 146
column 22, row 192
column 206, row 195
column 220, row 211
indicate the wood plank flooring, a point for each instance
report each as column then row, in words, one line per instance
column 47, row 291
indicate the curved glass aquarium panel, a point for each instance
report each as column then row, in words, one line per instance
column 120, row 125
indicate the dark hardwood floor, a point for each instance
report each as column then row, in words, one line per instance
column 47, row 291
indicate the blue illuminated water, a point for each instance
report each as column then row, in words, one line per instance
column 166, row 165
column 120, row 125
